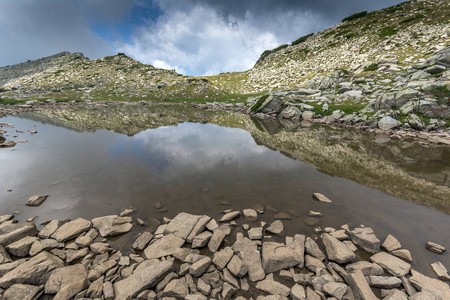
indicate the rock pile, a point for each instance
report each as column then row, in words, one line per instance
column 192, row 257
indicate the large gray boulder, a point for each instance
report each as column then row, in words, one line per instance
column 67, row 282
column 12, row 232
column 21, row 292
column 71, row 230
column 112, row 225
column 36, row 271
column 277, row 256
column 391, row 264
column 291, row 112
column 387, row 123
column 366, row 239
column 272, row 105
column 182, row 225
column 147, row 275
column 164, row 246
column 336, row 250
column 395, row 100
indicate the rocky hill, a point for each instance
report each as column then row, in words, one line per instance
column 386, row 69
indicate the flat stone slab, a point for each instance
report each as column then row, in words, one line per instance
column 366, row 239
column 321, row 198
column 12, row 232
column 36, row 200
column 67, row 282
column 336, row 250
column 425, row 283
column 36, row 271
column 182, row 225
column 391, row 264
column 112, row 225
column 277, row 256
column 164, row 246
column 71, row 230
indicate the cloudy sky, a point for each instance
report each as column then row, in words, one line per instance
column 195, row 37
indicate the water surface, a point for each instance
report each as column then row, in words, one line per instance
column 94, row 162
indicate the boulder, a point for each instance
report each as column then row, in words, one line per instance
column 182, row 225
column 250, row 215
column 391, row 243
column 177, row 288
column 291, row 112
column 12, row 232
column 221, row 258
column 198, row 268
column 216, row 240
column 272, row 105
column 277, row 256
column 276, row 227
column 297, row 244
column 4, row 256
column 202, row 239
column 387, row 123
column 424, row 283
column 49, row 229
column 359, row 286
column 147, row 275
column 337, row 251
column 36, row 200
column 252, row 259
column 366, row 239
column 230, row 216
column 391, row 264
column 67, row 282
column 71, row 230
column 440, row 271
column 142, row 241
column 237, row 267
column 112, row 225
column 272, row 287
column 164, row 246
column 198, row 228
column 384, row 282
column 313, row 249
column 387, row 59
column 436, row 248
column 21, row 292
column 366, row 268
column 36, row 271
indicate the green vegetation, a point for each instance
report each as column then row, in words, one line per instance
column 258, row 103
column 343, row 32
column 350, row 35
column 11, row 101
column 441, row 92
column 387, row 31
column 414, row 18
column 347, row 107
column 303, row 50
column 268, row 52
column 302, row 39
column 355, row 16
column 371, row 67
column 329, row 33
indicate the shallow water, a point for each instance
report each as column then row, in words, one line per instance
column 203, row 162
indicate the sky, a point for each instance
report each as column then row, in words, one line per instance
column 194, row 37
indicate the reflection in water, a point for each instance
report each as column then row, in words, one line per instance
column 205, row 168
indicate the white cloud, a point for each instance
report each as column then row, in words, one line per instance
column 163, row 65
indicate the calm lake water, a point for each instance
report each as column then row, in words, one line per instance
column 94, row 162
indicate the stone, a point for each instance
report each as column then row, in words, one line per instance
column 182, row 225
column 440, row 271
column 165, row 246
column 321, row 198
column 142, row 241
column 250, row 215
column 98, row 270
column 391, row 264
column 201, row 239
column 6, row 267
column 198, row 228
column 198, row 268
column 237, row 267
column 5, row 218
column 108, row 290
column 436, row 248
column 396, row 295
column 216, row 240
column 424, row 283
column 228, row 277
column 276, row 227
column 67, row 282
column 403, row 254
column 73, row 255
column 308, row 115
column 387, row 59
column 271, row 105
column 335, row 289
column 337, row 251
column 228, row 291
column 391, row 244
column 49, row 229
column 71, row 230
column 112, row 225
column 36, row 200
column 12, row 232
column 312, row 295
column 221, row 258
column 313, row 264
column 298, row 292
column 384, row 282
column 147, row 275
column 252, row 259
column 297, row 244
column 4, row 256
column 230, row 216
column 255, row 233
column 177, row 288
column 312, row 221
column 282, row 216
column 359, row 285
column 366, row 268
column 277, row 256
column 21, row 292
column 387, row 123
column 203, row 287
column 366, row 239
column 290, row 112
column 313, row 249
column 272, row 287
column 36, row 271
column 435, row 69
column 425, row 295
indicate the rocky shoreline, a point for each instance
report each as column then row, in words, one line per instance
column 432, row 137
column 198, row 257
